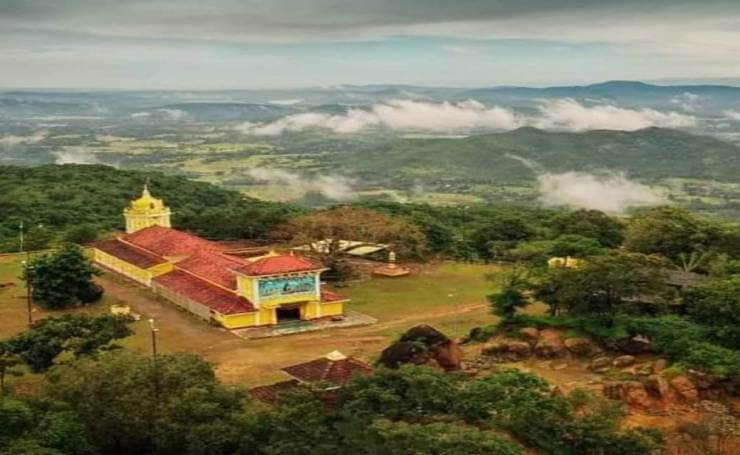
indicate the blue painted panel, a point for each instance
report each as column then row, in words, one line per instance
column 280, row 287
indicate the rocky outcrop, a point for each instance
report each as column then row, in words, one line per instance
column 631, row 392
column 656, row 386
column 507, row 351
column 530, row 334
column 685, row 389
column 549, row 345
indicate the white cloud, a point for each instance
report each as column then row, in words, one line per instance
column 687, row 101
column 10, row 139
column 140, row 114
column 612, row 192
column 174, row 114
column 335, row 187
column 571, row 115
column 409, row 115
column 733, row 115
column 75, row 155
column 289, row 102
column 396, row 115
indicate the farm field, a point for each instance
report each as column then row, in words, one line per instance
column 449, row 296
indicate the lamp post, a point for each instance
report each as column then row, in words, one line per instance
column 29, row 289
column 154, row 331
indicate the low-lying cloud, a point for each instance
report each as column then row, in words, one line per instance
column 610, row 192
column 75, row 155
column 334, row 187
column 409, row 115
column 35, row 138
column 569, row 114
column 396, row 115
column 733, row 115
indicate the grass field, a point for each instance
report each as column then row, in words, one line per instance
column 448, row 296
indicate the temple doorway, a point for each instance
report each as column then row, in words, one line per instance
column 288, row 313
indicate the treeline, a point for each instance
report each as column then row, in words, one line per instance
column 79, row 202
column 124, row 403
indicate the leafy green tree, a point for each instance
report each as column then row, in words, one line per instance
column 38, row 237
column 511, row 297
column 400, row 438
column 716, row 303
column 593, row 224
column 408, row 392
column 576, row 246
column 500, row 233
column 81, row 234
column 80, row 335
column 63, row 279
column 671, row 232
column 130, row 404
column 9, row 363
column 601, row 285
column 39, row 427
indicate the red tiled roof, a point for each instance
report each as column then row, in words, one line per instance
column 169, row 242
column 331, row 296
column 271, row 393
column 205, row 293
column 215, row 267
column 130, row 254
column 336, row 372
column 272, row 265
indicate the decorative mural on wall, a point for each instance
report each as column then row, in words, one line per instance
column 281, row 287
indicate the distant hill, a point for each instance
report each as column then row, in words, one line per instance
column 648, row 154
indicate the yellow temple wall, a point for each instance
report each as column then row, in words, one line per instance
column 124, row 268
column 332, row 309
column 161, row 269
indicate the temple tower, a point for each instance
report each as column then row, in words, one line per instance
column 145, row 212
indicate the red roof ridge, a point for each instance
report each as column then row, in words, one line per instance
column 273, row 265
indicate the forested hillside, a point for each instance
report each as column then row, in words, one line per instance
column 56, row 201
column 518, row 156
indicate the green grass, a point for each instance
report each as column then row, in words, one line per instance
column 446, row 291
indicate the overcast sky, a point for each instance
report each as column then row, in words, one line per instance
column 220, row 44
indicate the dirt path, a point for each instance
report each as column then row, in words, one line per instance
column 250, row 362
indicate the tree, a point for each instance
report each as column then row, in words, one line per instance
column 63, row 279
column 716, row 303
column 324, row 232
column 593, row 224
column 601, row 285
column 576, row 246
column 9, row 361
column 130, row 404
column 511, row 297
column 400, row 438
column 81, row 234
column 40, row 427
column 500, row 233
column 80, row 335
column 671, row 232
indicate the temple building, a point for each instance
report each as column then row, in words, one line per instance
column 201, row 277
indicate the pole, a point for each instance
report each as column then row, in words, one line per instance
column 29, row 290
column 154, row 331
column 20, row 236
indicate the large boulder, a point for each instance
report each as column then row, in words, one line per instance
column 423, row 345
column 530, row 334
column 600, row 364
column 685, row 389
column 631, row 392
column 549, row 345
column 637, row 344
column 582, row 347
column 623, row 361
column 656, row 385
